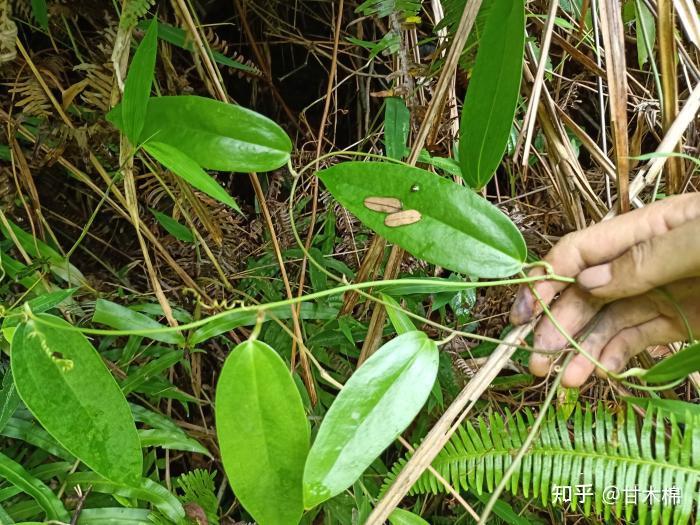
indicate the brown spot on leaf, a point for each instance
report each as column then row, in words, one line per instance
column 383, row 204
column 402, row 218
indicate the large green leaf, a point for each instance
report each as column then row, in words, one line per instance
column 458, row 229
column 66, row 385
column 216, row 135
column 377, row 403
column 492, row 95
column 263, row 433
column 137, row 88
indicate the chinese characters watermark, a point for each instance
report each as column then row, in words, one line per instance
column 612, row 494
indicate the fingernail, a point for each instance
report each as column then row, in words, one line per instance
column 521, row 312
column 595, row 277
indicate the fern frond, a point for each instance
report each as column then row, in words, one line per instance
column 132, row 10
column 198, row 487
column 382, row 8
column 647, row 466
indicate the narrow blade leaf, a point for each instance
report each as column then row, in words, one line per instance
column 377, row 403
column 399, row 320
column 397, row 120
column 263, row 433
column 66, row 385
column 174, row 228
column 677, row 366
column 492, row 95
column 137, row 88
column 145, row 489
column 186, row 168
column 458, row 229
column 123, row 318
column 23, row 480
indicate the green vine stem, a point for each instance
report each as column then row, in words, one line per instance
column 453, row 285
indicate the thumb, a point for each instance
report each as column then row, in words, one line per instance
column 654, row 262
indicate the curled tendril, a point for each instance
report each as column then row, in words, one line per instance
column 65, row 365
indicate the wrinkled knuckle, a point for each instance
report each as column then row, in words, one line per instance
column 563, row 248
column 639, row 257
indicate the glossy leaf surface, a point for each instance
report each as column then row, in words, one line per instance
column 67, row 387
column 458, row 229
column 377, row 403
column 214, row 134
column 263, row 433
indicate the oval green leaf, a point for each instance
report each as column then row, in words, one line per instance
column 458, row 229
column 678, row 366
column 377, row 403
column 263, row 433
column 492, row 95
column 216, row 135
column 66, row 385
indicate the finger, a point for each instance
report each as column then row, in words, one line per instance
column 602, row 243
column 572, row 312
column 630, row 341
column 649, row 264
column 616, row 317
column 574, row 309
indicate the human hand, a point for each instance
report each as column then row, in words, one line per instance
column 637, row 284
